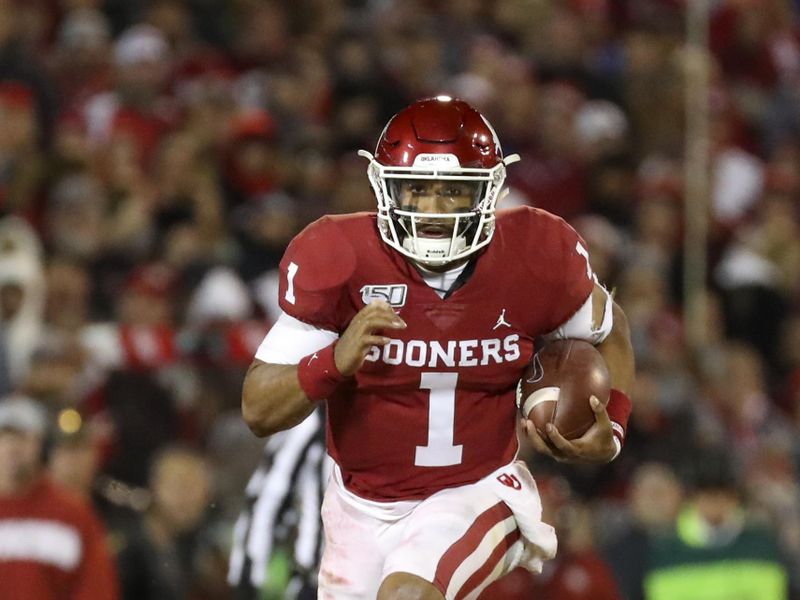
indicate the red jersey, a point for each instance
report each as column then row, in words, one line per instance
column 53, row 547
column 434, row 408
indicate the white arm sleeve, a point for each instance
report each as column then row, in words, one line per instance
column 581, row 326
column 289, row 340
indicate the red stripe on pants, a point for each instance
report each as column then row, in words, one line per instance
column 495, row 557
column 467, row 543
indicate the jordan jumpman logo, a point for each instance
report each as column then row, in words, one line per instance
column 501, row 320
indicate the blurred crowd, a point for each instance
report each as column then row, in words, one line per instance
column 156, row 156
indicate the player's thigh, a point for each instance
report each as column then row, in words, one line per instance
column 459, row 540
column 352, row 561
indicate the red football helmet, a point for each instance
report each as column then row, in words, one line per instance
column 444, row 140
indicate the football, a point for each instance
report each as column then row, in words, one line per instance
column 558, row 383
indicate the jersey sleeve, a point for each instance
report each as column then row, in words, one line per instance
column 582, row 324
column 314, row 272
column 565, row 269
column 289, row 340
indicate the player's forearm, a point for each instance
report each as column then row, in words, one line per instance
column 272, row 399
column 618, row 353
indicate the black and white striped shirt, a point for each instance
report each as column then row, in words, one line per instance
column 282, row 505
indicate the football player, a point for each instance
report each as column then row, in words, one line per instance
column 415, row 324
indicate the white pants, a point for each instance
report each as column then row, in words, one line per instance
column 460, row 539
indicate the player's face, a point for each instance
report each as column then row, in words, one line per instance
column 430, row 196
column 436, row 197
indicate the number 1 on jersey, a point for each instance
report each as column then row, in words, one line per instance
column 291, row 271
column 440, row 451
column 580, row 249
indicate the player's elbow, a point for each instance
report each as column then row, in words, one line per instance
column 261, row 417
column 255, row 419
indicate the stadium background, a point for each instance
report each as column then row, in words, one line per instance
column 157, row 156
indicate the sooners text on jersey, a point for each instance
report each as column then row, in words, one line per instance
column 435, row 407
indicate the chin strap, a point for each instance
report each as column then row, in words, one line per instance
column 434, row 248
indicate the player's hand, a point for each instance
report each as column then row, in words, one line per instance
column 595, row 446
column 363, row 333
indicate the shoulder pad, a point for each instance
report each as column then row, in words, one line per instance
column 314, row 270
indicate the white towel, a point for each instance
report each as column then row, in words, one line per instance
column 515, row 486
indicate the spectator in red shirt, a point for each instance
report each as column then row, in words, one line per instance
column 52, row 546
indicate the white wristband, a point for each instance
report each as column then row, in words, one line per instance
column 618, row 446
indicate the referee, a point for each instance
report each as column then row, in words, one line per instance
column 282, row 514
